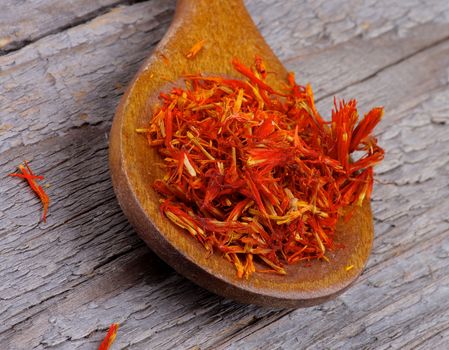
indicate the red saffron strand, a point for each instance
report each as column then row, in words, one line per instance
column 110, row 337
column 195, row 49
column 31, row 178
column 255, row 173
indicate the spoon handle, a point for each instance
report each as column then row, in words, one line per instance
column 227, row 30
column 209, row 9
column 215, row 19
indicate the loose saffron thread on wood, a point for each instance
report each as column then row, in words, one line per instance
column 257, row 174
column 110, row 337
column 28, row 175
column 195, row 49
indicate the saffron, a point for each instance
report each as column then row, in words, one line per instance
column 257, row 174
column 110, row 337
column 28, row 175
column 195, row 49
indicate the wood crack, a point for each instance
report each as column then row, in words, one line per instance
column 383, row 68
column 69, row 288
column 255, row 326
column 424, row 340
column 20, row 44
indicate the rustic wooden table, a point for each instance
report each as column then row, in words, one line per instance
column 64, row 66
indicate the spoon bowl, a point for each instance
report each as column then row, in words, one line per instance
column 228, row 32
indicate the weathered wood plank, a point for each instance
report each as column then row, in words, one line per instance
column 69, row 79
column 359, row 37
column 55, row 68
column 22, row 22
column 65, row 281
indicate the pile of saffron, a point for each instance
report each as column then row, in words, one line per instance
column 255, row 173
column 28, row 175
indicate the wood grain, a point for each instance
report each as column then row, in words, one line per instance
column 63, row 283
column 24, row 22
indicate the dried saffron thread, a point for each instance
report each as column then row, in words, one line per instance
column 110, row 337
column 195, row 49
column 257, row 174
column 28, row 175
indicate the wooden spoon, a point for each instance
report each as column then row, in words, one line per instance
column 229, row 32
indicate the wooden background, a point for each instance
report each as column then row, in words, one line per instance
column 64, row 66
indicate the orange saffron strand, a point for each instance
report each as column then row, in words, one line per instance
column 255, row 173
column 31, row 178
column 195, row 49
column 110, row 337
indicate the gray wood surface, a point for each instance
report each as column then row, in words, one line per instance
column 24, row 22
column 62, row 72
